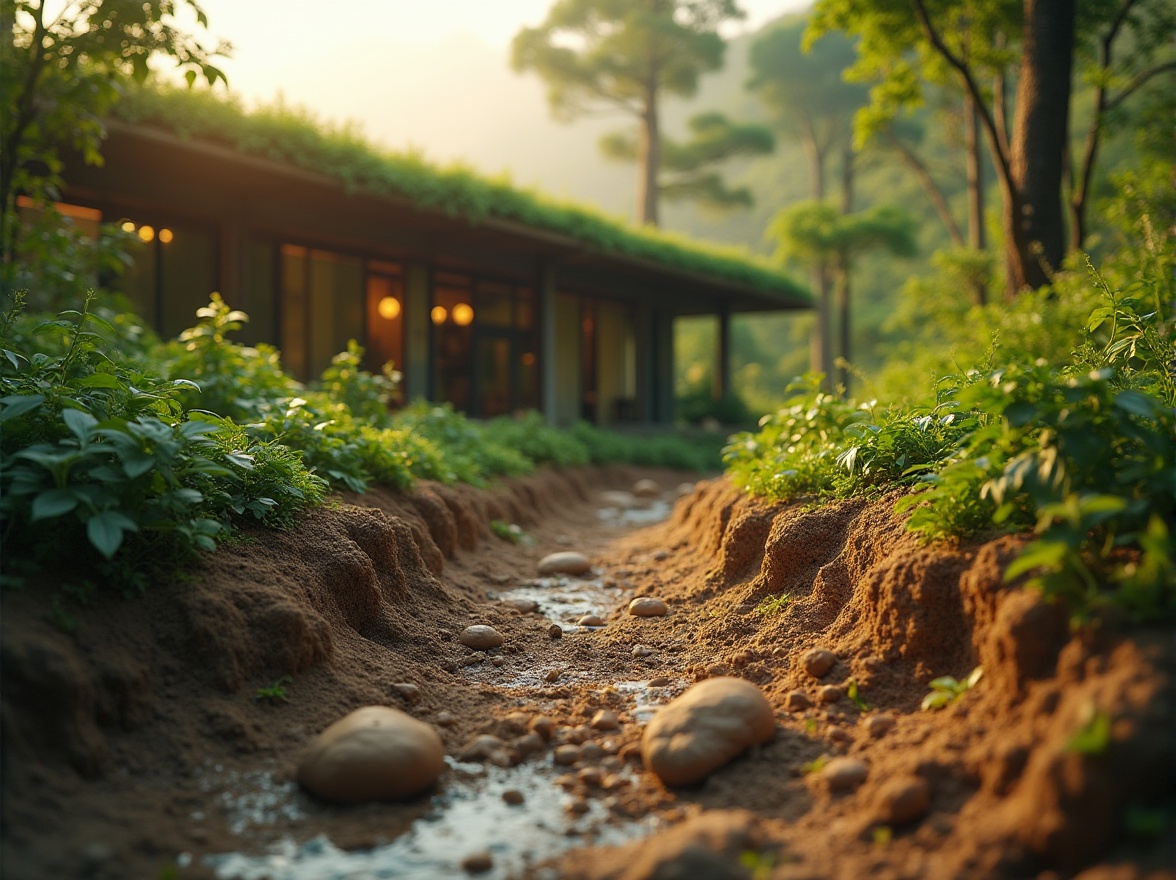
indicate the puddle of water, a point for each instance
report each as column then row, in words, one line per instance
column 470, row 816
column 654, row 512
column 646, row 699
column 565, row 600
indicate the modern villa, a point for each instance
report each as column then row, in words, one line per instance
column 482, row 295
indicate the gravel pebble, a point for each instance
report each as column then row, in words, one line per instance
column 513, row 796
column 829, row 693
column 641, row 651
column 880, row 724
column 566, row 755
column 523, row 606
column 903, row 800
column 410, row 692
column 555, row 631
column 648, row 606
column 659, row 681
column 544, row 726
column 818, row 661
column 797, row 701
column 481, row 637
column 845, row 774
column 646, row 489
column 477, row 863
column 564, row 562
column 591, row 620
column 605, row 719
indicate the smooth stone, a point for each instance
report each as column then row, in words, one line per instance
column 481, row 637
column 659, row 681
column 409, row 691
column 818, row 661
column 564, row 562
column 646, row 489
column 477, row 863
column 797, row 701
column 903, row 800
column 829, row 693
column 647, row 606
column 685, row 489
column 373, row 754
column 555, row 631
column 566, row 755
column 591, row 620
column 660, row 555
column 513, row 796
column 623, row 500
column 605, row 719
column 641, row 651
column 544, row 726
column 523, row 606
column 845, row 774
column 879, row 725
column 480, row 748
column 705, row 728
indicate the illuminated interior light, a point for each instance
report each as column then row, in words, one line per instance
column 166, row 235
column 463, row 314
column 128, row 226
column 438, row 315
column 389, row 308
column 146, row 233
column 529, row 359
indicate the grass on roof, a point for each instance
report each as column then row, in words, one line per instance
column 292, row 135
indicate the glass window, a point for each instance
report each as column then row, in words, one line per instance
column 452, row 317
column 385, row 316
column 322, row 307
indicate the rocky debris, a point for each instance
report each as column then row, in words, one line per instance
column 641, row 651
column 477, row 863
column 555, row 631
column 844, row 774
column 797, row 701
column 513, row 796
column 684, row 489
column 544, row 726
column 818, row 661
column 605, row 719
column 552, row 675
column 481, row 637
column 410, row 692
column 375, row 753
column 829, row 693
column 660, row 555
column 705, row 728
column 646, row 489
column 901, row 800
column 523, row 606
column 529, row 743
column 648, row 606
column 591, row 620
column 879, row 724
column 482, row 748
column 622, row 500
column 566, row 755
column 564, row 562
column 659, row 681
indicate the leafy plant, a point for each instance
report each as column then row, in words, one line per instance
column 771, row 605
column 510, row 532
column 815, row 766
column 276, row 692
column 851, row 691
column 1093, row 737
column 946, row 690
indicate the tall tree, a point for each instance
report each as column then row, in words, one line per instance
column 62, row 64
column 624, row 56
column 820, row 234
column 688, row 168
column 973, row 43
column 805, row 90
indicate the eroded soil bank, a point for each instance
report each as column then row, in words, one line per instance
column 138, row 746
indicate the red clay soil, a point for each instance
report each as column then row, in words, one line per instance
column 122, row 739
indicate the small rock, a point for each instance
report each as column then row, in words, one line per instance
column 845, row 774
column 564, row 562
column 829, row 693
column 578, row 806
column 589, row 775
column 477, row 863
column 818, row 661
column 647, row 606
column 646, row 489
column 375, row 753
column 605, row 719
column 717, row 670
column 513, row 796
column 523, row 606
column 705, row 728
column 529, row 743
column 590, row 751
column 797, row 701
column 496, row 661
column 543, row 726
column 481, row 637
column 480, row 748
column 659, row 681
column 566, row 755
column 903, row 800
column 552, row 676
column 409, row 692
column 684, row 489
column 839, row 735
column 591, row 620
column 642, row 651
column 555, row 631
column 630, row 751
column 613, row 781
column 446, row 719
column 739, row 659
column 622, row 500
column 880, row 724
column 660, row 555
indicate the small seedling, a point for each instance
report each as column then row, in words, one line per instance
column 816, row 765
column 276, row 692
column 882, row 836
column 810, row 726
column 761, row 864
column 1094, row 736
column 510, row 532
column 851, row 691
column 770, row 605
column 946, row 690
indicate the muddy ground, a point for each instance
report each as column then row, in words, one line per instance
column 159, row 739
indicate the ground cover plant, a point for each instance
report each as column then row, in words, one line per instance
column 1080, row 450
column 146, row 452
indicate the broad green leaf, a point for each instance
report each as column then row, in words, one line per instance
column 97, row 380
column 1020, row 413
column 105, row 531
column 53, row 502
column 1135, row 403
column 16, row 405
column 79, row 422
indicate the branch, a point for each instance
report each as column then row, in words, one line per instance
column 1000, row 148
column 1138, row 82
column 930, row 187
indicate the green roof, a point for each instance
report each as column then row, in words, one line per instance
column 292, row 136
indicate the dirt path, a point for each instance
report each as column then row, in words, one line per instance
column 144, row 744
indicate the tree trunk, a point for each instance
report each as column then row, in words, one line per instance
column 649, row 159
column 1034, row 221
column 841, row 272
column 815, row 152
column 820, row 342
column 975, row 175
